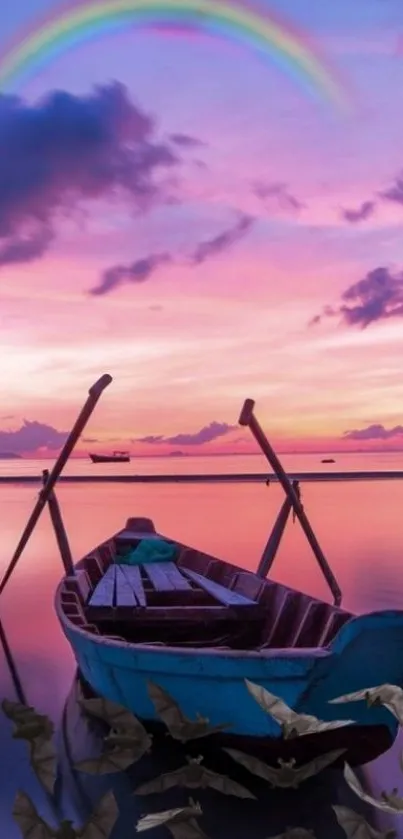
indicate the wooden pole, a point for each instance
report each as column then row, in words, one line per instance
column 94, row 394
column 59, row 528
column 273, row 543
column 247, row 418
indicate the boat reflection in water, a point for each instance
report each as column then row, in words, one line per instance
column 224, row 817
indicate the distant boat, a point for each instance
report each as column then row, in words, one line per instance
column 116, row 457
column 328, row 460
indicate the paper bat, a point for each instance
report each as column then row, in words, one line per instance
column 37, row 730
column 116, row 716
column 98, row 826
column 179, row 726
column 194, row 776
column 390, row 802
column 287, row 775
column 296, row 833
column 292, row 724
column 43, row 759
column 355, row 826
column 181, row 822
column 29, row 725
column 391, row 696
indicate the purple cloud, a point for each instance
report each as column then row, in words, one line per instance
column 374, row 432
column 185, row 141
column 212, row 247
column 378, row 296
column 32, row 436
column 137, row 272
column 395, row 192
column 68, row 148
column 362, row 213
column 205, row 435
column 142, row 269
column 280, row 191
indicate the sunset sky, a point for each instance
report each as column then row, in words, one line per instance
column 185, row 216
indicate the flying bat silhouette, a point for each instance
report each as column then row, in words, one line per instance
column 179, row 726
column 292, row 724
column 355, row 826
column 181, row 822
column 32, row 826
column 37, row 730
column 390, row 802
column 391, row 696
column 296, row 833
column 194, row 776
column 125, row 744
column 287, row 774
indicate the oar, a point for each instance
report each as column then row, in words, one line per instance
column 94, row 394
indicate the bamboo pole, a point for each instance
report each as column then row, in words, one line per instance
column 59, row 528
column 270, row 552
column 247, row 418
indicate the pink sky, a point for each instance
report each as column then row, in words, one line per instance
column 190, row 342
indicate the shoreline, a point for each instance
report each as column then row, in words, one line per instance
column 221, row 478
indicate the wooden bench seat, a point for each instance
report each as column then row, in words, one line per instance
column 104, row 592
column 165, row 576
column 131, row 573
column 223, row 595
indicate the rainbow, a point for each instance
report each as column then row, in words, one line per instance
column 249, row 26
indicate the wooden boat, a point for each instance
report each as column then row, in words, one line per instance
column 200, row 626
column 328, row 460
column 116, row 457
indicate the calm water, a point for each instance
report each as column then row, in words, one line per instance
column 359, row 526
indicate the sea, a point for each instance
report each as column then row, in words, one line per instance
column 358, row 523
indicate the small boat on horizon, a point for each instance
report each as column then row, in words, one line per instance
column 328, row 460
column 115, row 457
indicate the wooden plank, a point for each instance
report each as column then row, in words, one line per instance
column 166, row 577
column 174, row 574
column 159, row 577
column 125, row 595
column 132, row 574
column 220, row 593
column 104, row 592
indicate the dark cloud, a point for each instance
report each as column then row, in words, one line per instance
column 395, row 192
column 220, row 243
column 66, row 149
column 374, row 432
column 32, row 436
column 186, row 141
column 205, row 435
column 137, row 272
column 378, row 296
column 365, row 211
column 142, row 269
column 280, row 191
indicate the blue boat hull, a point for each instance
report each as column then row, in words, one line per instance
column 367, row 651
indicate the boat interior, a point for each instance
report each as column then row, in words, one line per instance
column 196, row 600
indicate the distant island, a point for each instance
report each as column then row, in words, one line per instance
column 9, row 456
column 178, row 454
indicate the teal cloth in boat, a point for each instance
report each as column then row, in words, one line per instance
column 149, row 550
